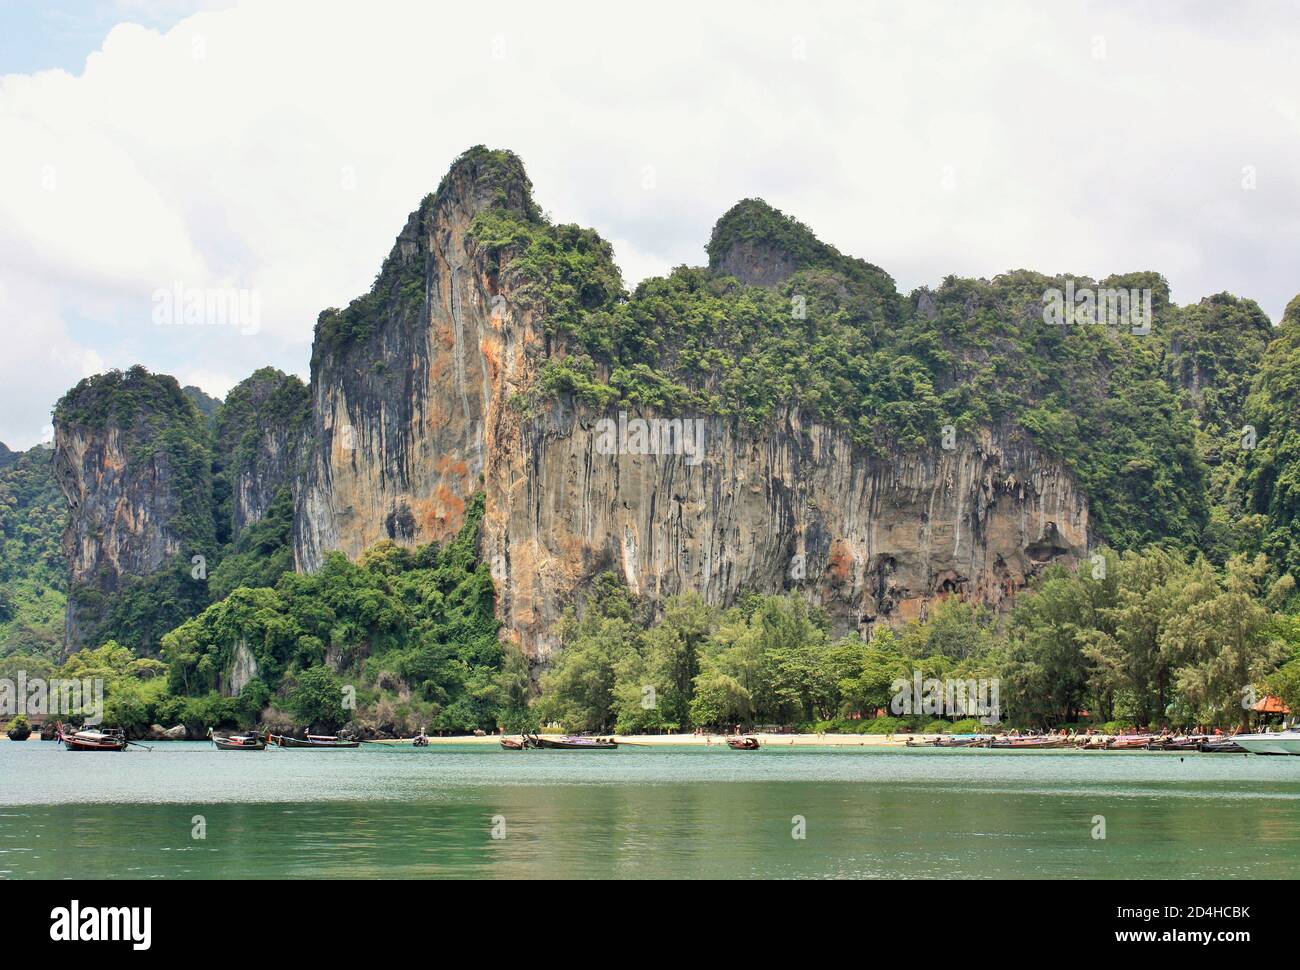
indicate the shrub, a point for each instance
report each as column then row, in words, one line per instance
column 885, row 725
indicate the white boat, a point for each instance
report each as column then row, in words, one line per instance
column 1279, row 742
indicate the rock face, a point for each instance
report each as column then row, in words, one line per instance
column 118, row 520
column 754, row 262
column 869, row 540
column 403, row 417
column 756, row 244
column 258, row 434
column 414, row 414
column 243, row 668
column 125, row 463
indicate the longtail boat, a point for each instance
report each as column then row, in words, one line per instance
column 238, row 742
column 110, row 739
column 319, row 742
column 521, row 743
column 1127, row 742
column 576, row 744
column 1221, row 746
column 1189, row 742
column 950, row 741
column 1036, row 743
column 743, row 744
column 960, row 741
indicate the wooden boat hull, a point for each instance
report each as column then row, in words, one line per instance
column 743, row 744
column 576, row 744
column 1221, row 747
column 1028, row 744
column 229, row 744
column 1128, row 744
column 1178, row 744
column 970, row 742
column 521, row 743
column 298, row 744
column 101, row 743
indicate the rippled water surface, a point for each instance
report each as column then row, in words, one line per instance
column 678, row 812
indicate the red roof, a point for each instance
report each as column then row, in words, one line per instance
column 1271, row 705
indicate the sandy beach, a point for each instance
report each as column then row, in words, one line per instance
column 719, row 740
column 678, row 740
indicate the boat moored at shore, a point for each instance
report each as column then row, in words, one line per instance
column 1280, row 742
column 238, row 742
column 316, row 742
column 109, row 739
column 574, row 743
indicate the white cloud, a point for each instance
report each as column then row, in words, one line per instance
column 278, row 146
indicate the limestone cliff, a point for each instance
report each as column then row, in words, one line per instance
column 131, row 459
column 429, row 388
column 258, row 431
column 408, row 381
column 871, row 540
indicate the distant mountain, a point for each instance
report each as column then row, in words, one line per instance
column 206, row 404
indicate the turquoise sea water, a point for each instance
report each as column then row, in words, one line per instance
column 680, row 812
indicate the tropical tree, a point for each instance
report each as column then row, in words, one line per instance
column 1228, row 638
column 317, row 697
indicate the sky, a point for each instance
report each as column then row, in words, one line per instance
column 268, row 152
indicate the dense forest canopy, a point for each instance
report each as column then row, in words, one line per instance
column 1144, row 643
column 33, row 575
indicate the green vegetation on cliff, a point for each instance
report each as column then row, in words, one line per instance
column 155, row 419
column 268, row 406
column 494, row 181
column 33, row 574
column 1272, row 469
column 1143, row 421
column 835, row 340
column 200, row 462
column 412, row 632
